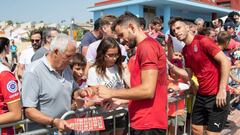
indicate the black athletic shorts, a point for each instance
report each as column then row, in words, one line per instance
column 153, row 131
column 205, row 112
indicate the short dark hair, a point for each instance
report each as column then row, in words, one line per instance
column 3, row 43
column 36, row 31
column 125, row 18
column 142, row 22
column 223, row 37
column 233, row 13
column 206, row 31
column 174, row 20
column 97, row 24
column 78, row 59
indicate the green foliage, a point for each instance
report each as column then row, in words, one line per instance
column 79, row 34
column 9, row 22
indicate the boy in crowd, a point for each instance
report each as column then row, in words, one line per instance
column 78, row 65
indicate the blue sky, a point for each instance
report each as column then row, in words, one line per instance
column 46, row 10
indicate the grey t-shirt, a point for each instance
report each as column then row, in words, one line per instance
column 39, row 53
column 46, row 90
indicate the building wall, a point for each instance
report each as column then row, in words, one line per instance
column 138, row 11
column 185, row 14
column 191, row 15
column 135, row 9
column 234, row 4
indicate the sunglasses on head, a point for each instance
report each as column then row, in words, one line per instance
column 35, row 40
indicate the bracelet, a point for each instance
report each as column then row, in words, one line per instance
column 52, row 122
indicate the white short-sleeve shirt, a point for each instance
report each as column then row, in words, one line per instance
column 113, row 80
column 26, row 56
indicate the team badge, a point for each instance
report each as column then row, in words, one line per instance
column 195, row 48
column 12, row 86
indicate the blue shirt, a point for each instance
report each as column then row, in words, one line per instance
column 88, row 38
column 13, row 48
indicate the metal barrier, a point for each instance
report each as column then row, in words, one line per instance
column 113, row 113
column 175, row 100
column 27, row 121
column 39, row 131
column 95, row 112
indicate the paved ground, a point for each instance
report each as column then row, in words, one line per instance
column 234, row 125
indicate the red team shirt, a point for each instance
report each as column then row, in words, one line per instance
column 9, row 92
column 149, row 113
column 199, row 57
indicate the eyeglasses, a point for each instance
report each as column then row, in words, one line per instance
column 115, row 56
column 35, row 40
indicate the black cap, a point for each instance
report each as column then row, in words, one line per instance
column 228, row 25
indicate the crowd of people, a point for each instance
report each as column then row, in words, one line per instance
column 123, row 64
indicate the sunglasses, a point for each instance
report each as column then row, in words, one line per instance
column 35, row 40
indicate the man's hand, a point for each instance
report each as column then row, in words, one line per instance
column 104, row 92
column 168, row 40
column 89, row 92
column 62, row 125
column 86, row 92
column 221, row 99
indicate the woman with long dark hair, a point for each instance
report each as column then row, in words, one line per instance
column 10, row 105
column 108, row 70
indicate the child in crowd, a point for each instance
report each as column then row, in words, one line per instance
column 174, row 81
column 78, row 65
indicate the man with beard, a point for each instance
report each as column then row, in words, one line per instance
column 26, row 55
column 205, row 59
column 148, row 92
column 47, row 35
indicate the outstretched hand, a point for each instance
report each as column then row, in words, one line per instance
column 105, row 92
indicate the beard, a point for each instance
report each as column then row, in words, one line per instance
column 132, row 43
column 36, row 46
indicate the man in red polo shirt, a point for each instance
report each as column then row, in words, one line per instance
column 148, row 92
column 211, row 67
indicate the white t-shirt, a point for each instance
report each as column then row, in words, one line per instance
column 113, row 80
column 26, row 56
column 177, row 45
column 92, row 51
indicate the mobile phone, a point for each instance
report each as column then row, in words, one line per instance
column 13, row 67
column 123, row 58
